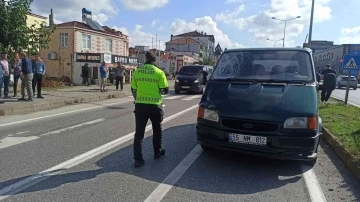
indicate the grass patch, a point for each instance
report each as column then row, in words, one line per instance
column 343, row 121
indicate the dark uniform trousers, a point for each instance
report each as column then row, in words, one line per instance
column 144, row 112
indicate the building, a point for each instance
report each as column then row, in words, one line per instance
column 172, row 63
column 34, row 19
column 334, row 56
column 317, row 46
column 196, row 42
column 75, row 43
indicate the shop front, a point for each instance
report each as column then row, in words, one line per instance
column 130, row 64
column 94, row 61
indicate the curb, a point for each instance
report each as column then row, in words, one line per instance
column 346, row 157
column 47, row 105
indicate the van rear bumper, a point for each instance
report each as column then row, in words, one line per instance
column 277, row 147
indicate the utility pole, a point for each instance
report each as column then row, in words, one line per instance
column 311, row 22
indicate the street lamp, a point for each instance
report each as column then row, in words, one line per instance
column 285, row 21
column 311, row 23
column 275, row 41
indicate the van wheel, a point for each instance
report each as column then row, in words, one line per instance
column 177, row 92
column 355, row 88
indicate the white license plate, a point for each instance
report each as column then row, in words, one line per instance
column 247, row 139
column 186, row 87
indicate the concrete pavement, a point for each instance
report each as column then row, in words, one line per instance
column 87, row 150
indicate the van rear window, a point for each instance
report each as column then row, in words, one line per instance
column 269, row 64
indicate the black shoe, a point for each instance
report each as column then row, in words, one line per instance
column 40, row 97
column 22, row 99
column 139, row 163
column 161, row 153
column 15, row 95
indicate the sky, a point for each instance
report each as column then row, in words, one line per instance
column 234, row 23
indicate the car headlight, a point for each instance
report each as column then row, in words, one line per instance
column 177, row 80
column 301, row 123
column 196, row 81
column 208, row 114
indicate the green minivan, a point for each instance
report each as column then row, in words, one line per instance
column 262, row 101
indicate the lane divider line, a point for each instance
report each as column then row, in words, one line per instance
column 160, row 192
column 312, row 184
column 63, row 113
column 35, row 179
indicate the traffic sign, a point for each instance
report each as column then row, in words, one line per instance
column 351, row 62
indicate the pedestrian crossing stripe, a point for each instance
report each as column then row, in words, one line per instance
column 351, row 64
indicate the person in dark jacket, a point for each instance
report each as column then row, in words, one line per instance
column 39, row 70
column 27, row 77
column 329, row 83
column 85, row 73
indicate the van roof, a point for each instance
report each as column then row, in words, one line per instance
column 268, row 48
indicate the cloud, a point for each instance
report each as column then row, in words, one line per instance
column 263, row 26
column 205, row 24
column 142, row 5
column 67, row 10
column 141, row 38
column 232, row 1
column 350, row 35
column 154, row 22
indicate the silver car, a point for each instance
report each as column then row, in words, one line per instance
column 342, row 82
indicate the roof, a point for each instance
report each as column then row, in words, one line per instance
column 183, row 40
column 38, row 16
column 196, row 34
column 82, row 25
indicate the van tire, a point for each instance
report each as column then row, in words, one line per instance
column 205, row 148
column 177, row 92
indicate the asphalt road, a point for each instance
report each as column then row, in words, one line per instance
column 354, row 95
column 84, row 153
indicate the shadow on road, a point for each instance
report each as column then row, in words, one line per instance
column 212, row 172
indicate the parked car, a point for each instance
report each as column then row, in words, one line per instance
column 343, row 80
column 189, row 78
column 264, row 102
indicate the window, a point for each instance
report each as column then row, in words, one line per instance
column 64, row 40
column 190, row 70
column 265, row 65
column 108, row 45
column 86, row 41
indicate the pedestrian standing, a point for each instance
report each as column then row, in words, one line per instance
column 39, row 70
column 119, row 76
column 27, row 77
column 103, row 75
column 6, row 74
column 15, row 66
column 147, row 85
column 86, row 74
column 329, row 83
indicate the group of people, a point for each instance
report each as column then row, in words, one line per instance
column 119, row 75
column 29, row 71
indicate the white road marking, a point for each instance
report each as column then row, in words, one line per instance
column 21, row 132
column 73, row 127
column 312, row 184
column 344, row 101
column 59, row 114
column 160, row 192
column 192, row 97
column 34, row 179
column 11, row 141
column 173, row 97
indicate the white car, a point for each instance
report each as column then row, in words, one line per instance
column 342, row 82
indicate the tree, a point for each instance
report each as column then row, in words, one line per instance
column 15, row 35
column 207, row 61
column 218, row 50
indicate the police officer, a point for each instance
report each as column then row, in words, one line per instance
column 147, row 84
column 329, row 83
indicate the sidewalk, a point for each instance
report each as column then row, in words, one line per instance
column 63, row 97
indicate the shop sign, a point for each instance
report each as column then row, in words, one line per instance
column 88, row 57
column 124, row 60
